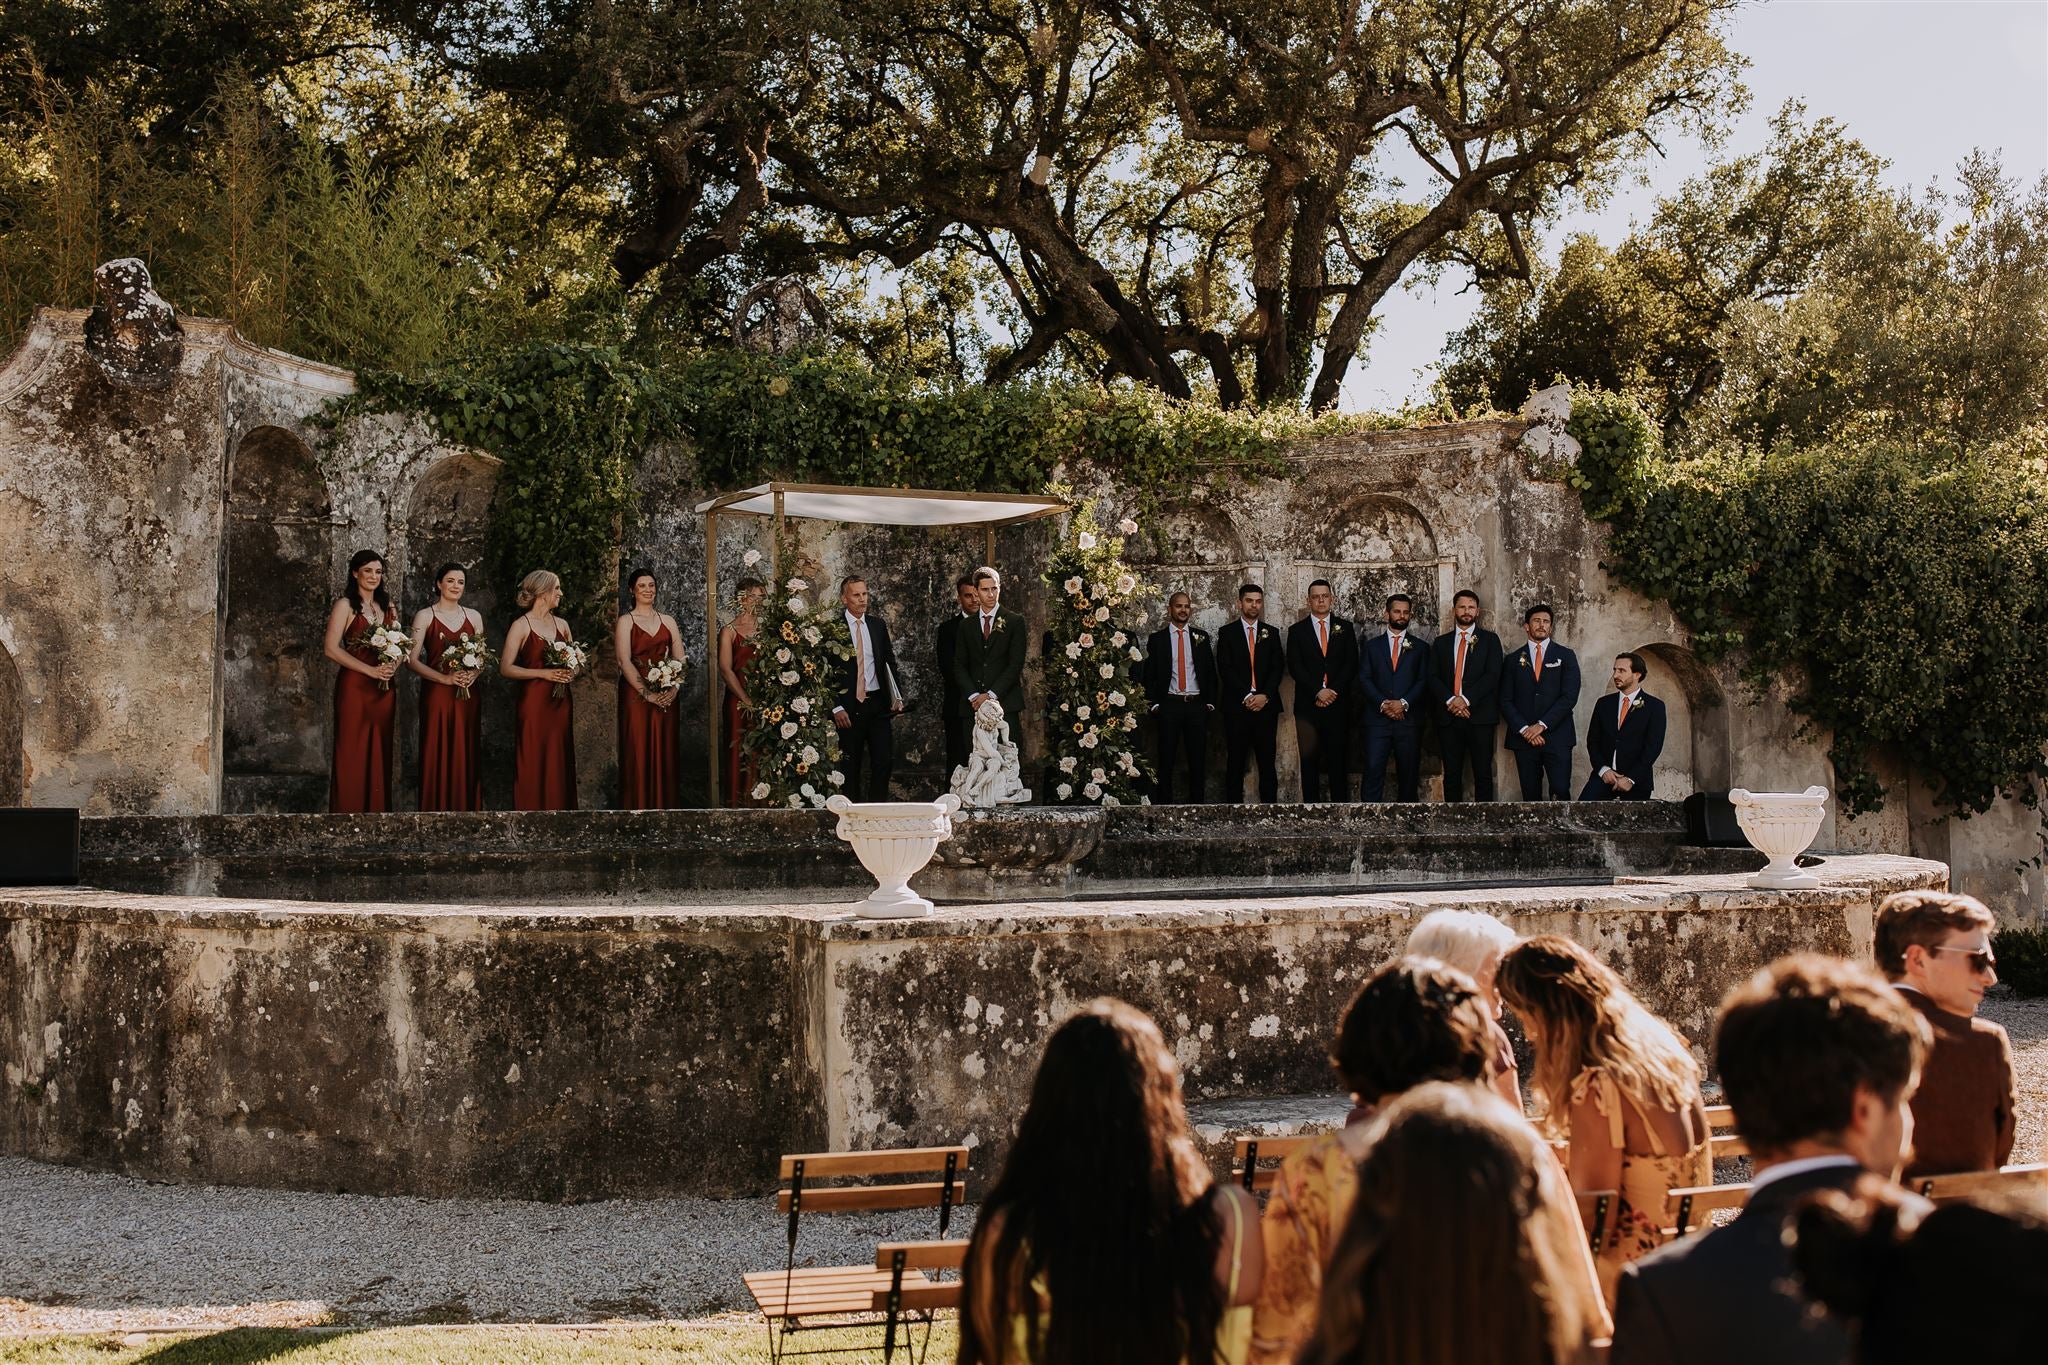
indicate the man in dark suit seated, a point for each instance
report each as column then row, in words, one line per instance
column 1393, row 676
column 1249, row 664
column 1625, row 737
column 1819, row 1058
column 1180, row 691
column 1464, row 682
column 1539, row 691
column 953, row 706
column 1322, row 656
column 867, row 701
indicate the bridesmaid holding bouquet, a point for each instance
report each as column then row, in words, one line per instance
column 544, row 766
column 451, row 728
column 735, row 655
column 364, row 703
column 648, row 757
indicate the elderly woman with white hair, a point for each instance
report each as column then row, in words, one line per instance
column 1473, row 943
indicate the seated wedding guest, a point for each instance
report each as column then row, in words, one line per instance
column 1936, row 949
column 649, row 759
column 1966, row 1282
column 1180, row 689
column 1817, row 1057
column 1473, row 943
column 365, row 702
column 451, row 723
column 1104, row 1237
column 1414, row 1020
column 1322, row 655
column 1617, row 1082
column 1539, row 691
column 1455, row 1252
column 1625, row 738
column 544, row 757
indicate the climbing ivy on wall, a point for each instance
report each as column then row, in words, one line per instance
column 1900, row 592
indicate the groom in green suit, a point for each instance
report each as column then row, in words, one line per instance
column 988, row 652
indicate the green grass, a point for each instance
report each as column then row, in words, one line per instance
column 720, row 1344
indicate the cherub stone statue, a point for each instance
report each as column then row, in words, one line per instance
column 1548, row 410
column 990, row 777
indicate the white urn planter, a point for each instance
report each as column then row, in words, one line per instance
column 894, row 840
column 1781, row 825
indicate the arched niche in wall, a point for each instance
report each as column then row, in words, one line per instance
column 12, row 766
column 446, row 521
column 1194, row 548
column 276, row 683
column 1371, row 548
column 1695, row 756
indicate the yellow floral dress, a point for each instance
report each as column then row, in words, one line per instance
column 1311, row 1197
column 1637, row 1227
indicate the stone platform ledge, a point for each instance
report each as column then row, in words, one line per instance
column 552, row 1052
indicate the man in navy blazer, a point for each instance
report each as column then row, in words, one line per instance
column 1394, row 676
column 1625, row 737
column 1538, row 693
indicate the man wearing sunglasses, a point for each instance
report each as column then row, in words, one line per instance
column 1936, row 949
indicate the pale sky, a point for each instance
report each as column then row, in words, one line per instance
column 1919, row 82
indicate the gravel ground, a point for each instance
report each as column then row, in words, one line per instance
column 91, row 1252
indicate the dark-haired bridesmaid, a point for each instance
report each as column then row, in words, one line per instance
column 648, row 757
column 544, row 760
column 365, row 705
column 451, row 724
column 735, row 655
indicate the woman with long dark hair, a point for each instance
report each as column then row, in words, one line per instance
column 1616, row 1082
column 451, row 714
column 365, row 703
column 649, row 761
column 1454, row 1252
column 735, row 656
column 1104, row 1239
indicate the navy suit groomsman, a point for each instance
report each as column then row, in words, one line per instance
column 1539, row 689
column 1464, row 682
column 1394, row 677
column 1181, row 689
column 1322, row 655
column 953, row 705
column 1249, row 664
column 1625, row 737
column 868, row 700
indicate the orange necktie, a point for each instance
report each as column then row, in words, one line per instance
column 1458, row 670
column 860, row 662
column 1180, row 657
column 1323, row 639
column 1251, row 647
column 1394, row 648
column 1622, row 719
column 1538, row 652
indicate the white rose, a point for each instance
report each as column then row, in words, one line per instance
column 1091, row 791
column 789, row 677
column 1073, row 649
column 1119, row 639
column 800, row 705
column 751, row 558
column 797, row 606
column 1102, row 613
column 812, row 635
column 760, row 790
column 1064, row 790
column 796, row 803
column 1125, row 582
column 1099, row 775
column 808, row 790
column 836, row 778
column 1080, row 713
column 1135, row 655
column 1066, row 706
column 1088, row 741
column 1127, row 527
column 783, row 656
column 1107, row 670
column 798, row 585
column 1131, row 721
column 1086, row 641
column 1069, row 763
column 809, row 755
column 1111, row 801
column 818, row 801
column 1086, row 540
column 1116, row 699
column 789, row 729
column 1072, row 585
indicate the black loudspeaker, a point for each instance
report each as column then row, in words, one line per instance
column 1710, row 821
column 38, row 846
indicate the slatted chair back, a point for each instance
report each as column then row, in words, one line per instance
column 1248, row 1152
column 1693, row 1206
column 1724, row 1140
column 921, row 1296
column 2023, row 1180
column 1595, row 1208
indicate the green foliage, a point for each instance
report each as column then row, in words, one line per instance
column 2022, row 952
column 1900, row 592
column 791, row 740
column 1092, row 700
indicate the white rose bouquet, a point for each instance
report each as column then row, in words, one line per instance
column 385, row 644
column 568, row 654
column 664, row 673
column 467, row 653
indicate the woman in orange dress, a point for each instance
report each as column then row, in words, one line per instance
column 648, row 758
column 451, row 724
column 544, row 760
column 365, row 704
column 735, row 653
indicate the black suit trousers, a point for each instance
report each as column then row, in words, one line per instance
column 867, row 749
column 1552, row 762
column 957, row 726
column 1400, row 740
column 1466, row 742
column 1322, row 735
column 1183, row 735
column 1248, row 735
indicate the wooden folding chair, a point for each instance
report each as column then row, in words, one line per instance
column 919, row 1299
column 1595, row 1208
column 1248, row 1152
column 2029, row 1179
column 794, row 1300
column 1724, row 1140
column 1692, row 1206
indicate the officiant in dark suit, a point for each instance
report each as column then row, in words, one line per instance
column 1249, row 665
column 1322, row 656
column 1625, row 737
column 1464, row 684
column 868, row 700
column 988, row 653
column 952, row 705
column 1181, row 691
column 1538, row 693
column 1394, row 678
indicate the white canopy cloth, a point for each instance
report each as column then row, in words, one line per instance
column 865, row 506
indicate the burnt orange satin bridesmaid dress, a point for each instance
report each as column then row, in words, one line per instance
column 648, row 757
column 451, row 733
column 363, row 717
column 544, row 763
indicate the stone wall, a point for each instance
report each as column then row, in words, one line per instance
column 170, row 556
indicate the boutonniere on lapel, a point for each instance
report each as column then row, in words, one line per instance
column 1201, row 636
column 1523, row 658
column 1337, row 628
column 1002, row 623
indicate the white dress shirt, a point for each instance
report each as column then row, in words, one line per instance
column 1635, row 699
column 1180, row 644
column 858, row 627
